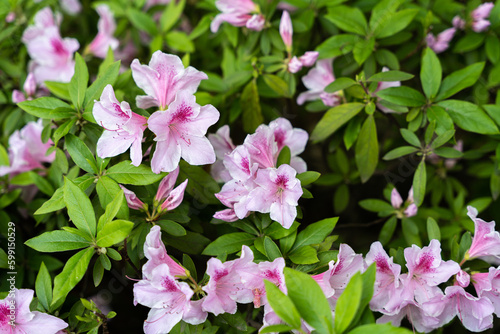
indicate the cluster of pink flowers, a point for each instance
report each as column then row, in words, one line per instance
column 294, row 64
column 30, row 90
column 415, row 294
column 168, row 289
column 180, row 130
column 238, row 13
column 16, row 317
column 27, row 151
column 478, row 23
column 253, row 182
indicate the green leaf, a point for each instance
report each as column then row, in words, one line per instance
column 419, row 183
column 387, row 230
column 399, row 152
column 94, row 91
column 394, row 23
column 126, row 173
column 380, row 329
column 459, row 80
column 430, row 73
column 334, row 118
column 142, row 21
column 59, row 89
column 97, row 273
column 411, row 232
column 433, row 229
column 272, row 250
column 304, row 255
column 48, row 108
column 109, row 191
column 410, row 137
column 282, row 305
column 469, row 117
column 337, row 45
column 252, row 113
column 367, row 149
column 57, row 241
column 471, row 41
column 172, row 228
column 275, row 328
column 375, row 205
column 340, row 84
column 308, row 177
column 81, row 154
column 309, row 300
column 56, row 202
column 448, row 152
column 348, row 304
column 350, row 19
column 80, row 209
column 390, row 76
column 403, row 96
column 442, row 139
column 72, row 273
column 443, row 120
column 63, row 129
column 284, row 156
column 43, row 287
column 171, row 14
column 113, row 232
column 278, row 85
column 179, row 40
column 492, row 48
column 228, row 244
column 363, row 49
column 78, row 84
column 315, row 233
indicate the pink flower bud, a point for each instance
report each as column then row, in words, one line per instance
column 330, row 99
column 166, row 185
column 175, row 197
column 18, row 96
column 10, row 17
column 30, row 85
column 482, row 11
column 309, row 58
column 132, row 201
column 286, row 30
column 481, row 25
column 294, row 65
column 463, row 279
column 458, row 22
column 396, row 199
column 411, row 210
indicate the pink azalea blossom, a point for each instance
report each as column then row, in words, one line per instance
column 163, row 78
column 387, row 282
column 10, row 17
column 480, row 25
column 71, row 7
column 486, row 241
column 316, row 81
column 295, row 138
column 16, row 317
column 132, row 201
column 238, row 13
column 169, row 197
column 286, row 30
column 309, row 58
column 294, row 65
column 169, row 300
column 278, row 193
column 106, row 28
column 476, row 314
column 482, row 11
column 442, row 41
column 426, row 270
column 397, row 201
column 27, row 151
column 339, row 272
column 180, row 132
column 223, row 145
column 262, row 147
column 29, row 90
column 122, row 127
column 458, row 22
column 155, row 252
column 225, row 288
column 52, row 55
column 488, row 285
column 235, row 194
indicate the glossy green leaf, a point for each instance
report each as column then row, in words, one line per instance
column 80, row 209
column 229, row 243
column 81, row 154
column 334, row 118
column 48, row 108
column 126, row 173
column 78, row 84
column 469, row 117
column 430, row 73
column 57, row 241
column 390, row 76
column 250, row 103
column 419, row 183
column 459, row 80
column 367, row 149
column 315, row 233
column 404, row 96
column 282, row 305
column 43, row 287
column 113, row 232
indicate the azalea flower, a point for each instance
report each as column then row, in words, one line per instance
column 286, row 30
column 122, row 127
column 486, row 241
column 442, row 42
column 278, row 193
column 479, row 16
column 316, row 81
column 238, row 13
column 163, row 78
column 295, row 138
column 397, row 201
column 106, row 28
column 27, row 151
column 132, row 201
column 223, row 145
column 169, row 197
column 225, row 287
column 180, row 132
column 29, row 90
column 16, row 317
column 72, row 7
column 488, row 285
column 52, row 55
